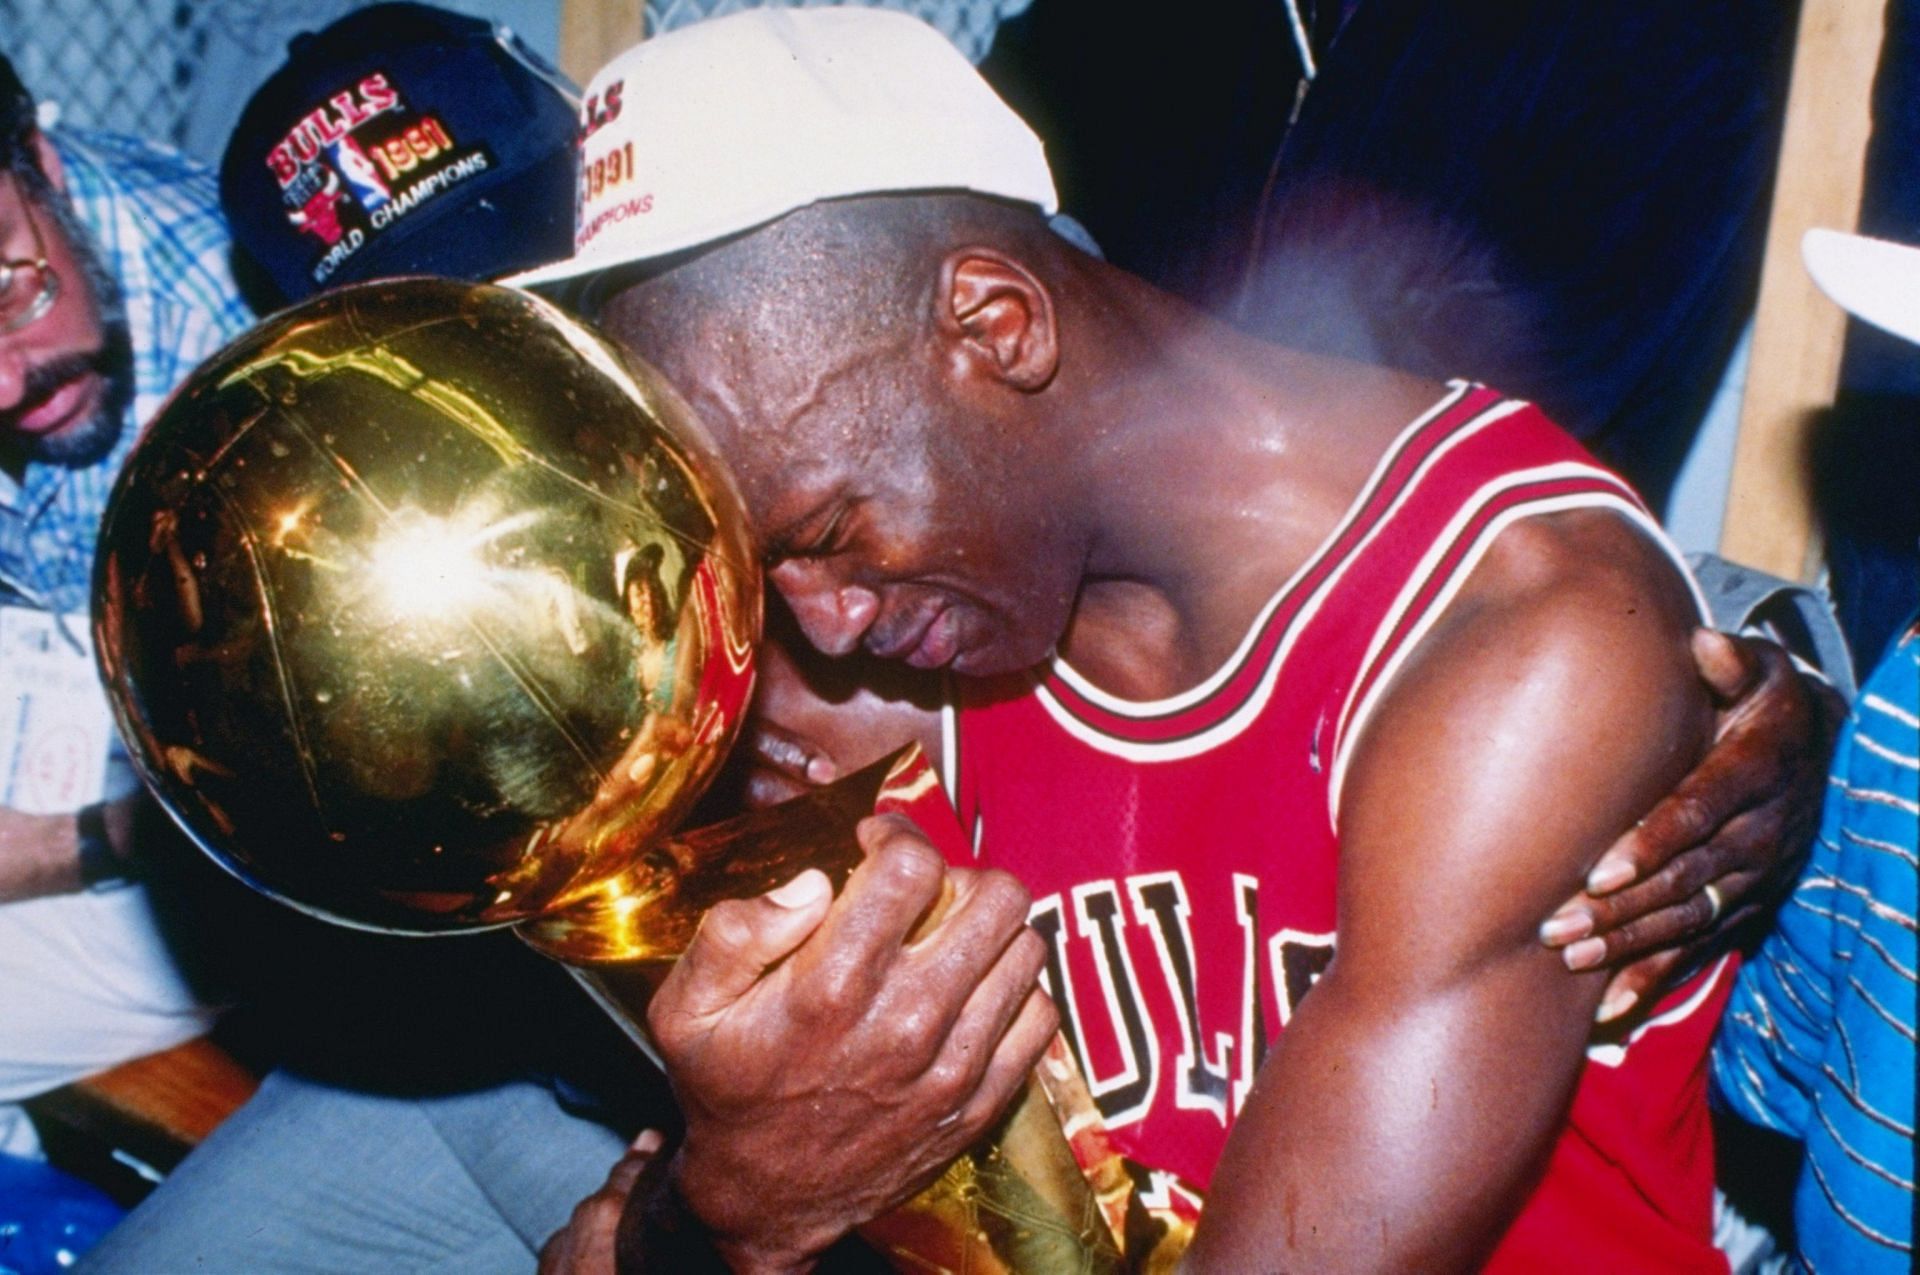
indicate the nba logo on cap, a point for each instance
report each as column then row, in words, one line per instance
column 353, row 164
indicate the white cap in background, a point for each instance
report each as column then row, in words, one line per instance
column 727, row 124
column 1874, row 280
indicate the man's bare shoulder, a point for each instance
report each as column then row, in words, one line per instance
column 1553, row 702
column 1578, row 564
column 1585, row 599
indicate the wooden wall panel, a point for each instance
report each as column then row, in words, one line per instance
column 1798, row 333
column 591, row 31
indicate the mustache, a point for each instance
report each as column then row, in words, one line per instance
column 44, row 380
column 84, row 442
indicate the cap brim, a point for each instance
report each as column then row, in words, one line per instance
column 1875, row 281
column 613, row 251
column 616, row 253
column 561, row 271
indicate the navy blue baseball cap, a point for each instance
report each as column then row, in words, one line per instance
column 403, row 139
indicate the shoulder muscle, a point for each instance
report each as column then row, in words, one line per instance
column 1554, row 701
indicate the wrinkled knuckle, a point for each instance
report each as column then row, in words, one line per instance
column 1691, row 817
column 834, row 993
column 1634, row 936
column 1029, row 950
column 915, row 1034
column 948, row 1083
column 910, row 862
column 1005, row 895
column 1686, row 873
column 1620, row 944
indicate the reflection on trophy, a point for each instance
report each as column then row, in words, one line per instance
column 425, row 610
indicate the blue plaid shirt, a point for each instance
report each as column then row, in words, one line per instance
column 155, row 220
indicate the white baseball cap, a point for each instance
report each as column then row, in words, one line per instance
column 1874, row 280
column 726, row 124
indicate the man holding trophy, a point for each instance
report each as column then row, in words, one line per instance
column 1275, row 674
column 966, row 445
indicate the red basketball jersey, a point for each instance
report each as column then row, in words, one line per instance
column 1183, row 853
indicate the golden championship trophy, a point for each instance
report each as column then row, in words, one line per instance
column 423, row 609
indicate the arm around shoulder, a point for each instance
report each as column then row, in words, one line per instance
column 1414, row 1098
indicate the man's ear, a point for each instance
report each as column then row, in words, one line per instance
column 50, row 165
column 1001, row 318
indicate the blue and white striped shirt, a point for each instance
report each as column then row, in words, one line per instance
column 1818, row 1041
column 155, row 220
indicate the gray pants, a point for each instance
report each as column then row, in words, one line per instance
column 312, row 1178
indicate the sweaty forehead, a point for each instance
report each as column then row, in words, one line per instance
column 719, row 351
column 764, row 397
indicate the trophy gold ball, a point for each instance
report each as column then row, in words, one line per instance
column 424, row 609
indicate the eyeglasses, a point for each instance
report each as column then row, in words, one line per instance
column 28, row 286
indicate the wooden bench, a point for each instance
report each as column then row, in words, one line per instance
column 124, row 1129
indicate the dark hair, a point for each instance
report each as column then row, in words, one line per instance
column 17, row 127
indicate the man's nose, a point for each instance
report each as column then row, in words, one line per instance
column 834, row 615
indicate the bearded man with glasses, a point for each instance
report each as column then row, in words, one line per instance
column 114, row 283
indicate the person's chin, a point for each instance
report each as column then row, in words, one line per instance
column 986, row 663
column 986, row 657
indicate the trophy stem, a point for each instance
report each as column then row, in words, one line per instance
column 614, row 996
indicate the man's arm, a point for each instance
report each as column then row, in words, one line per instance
column 1416, row 1093
column 40, row 854
column 806, row 732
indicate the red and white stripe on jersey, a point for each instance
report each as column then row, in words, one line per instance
column 1183, row 853
column 1449, row 563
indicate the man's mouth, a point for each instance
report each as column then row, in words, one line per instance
column 930, row 643
column 73, row 399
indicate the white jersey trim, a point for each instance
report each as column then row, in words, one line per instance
column 1612, row 1055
